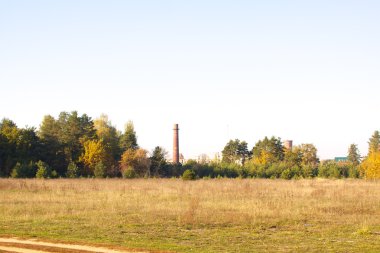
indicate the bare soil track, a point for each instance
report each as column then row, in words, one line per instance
column 35, row 246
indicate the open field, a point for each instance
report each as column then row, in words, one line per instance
column 221, row 215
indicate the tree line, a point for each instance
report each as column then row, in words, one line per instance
column 73, row 145
column 270, row 159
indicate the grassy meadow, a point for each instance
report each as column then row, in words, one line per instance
column 220, row 215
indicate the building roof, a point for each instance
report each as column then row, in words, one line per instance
column 341, row 159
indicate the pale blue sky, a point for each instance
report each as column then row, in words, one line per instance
column 302, row 70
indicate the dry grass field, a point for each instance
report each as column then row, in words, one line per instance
column 220, row 215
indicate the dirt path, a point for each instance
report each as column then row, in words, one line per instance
column 34, row 246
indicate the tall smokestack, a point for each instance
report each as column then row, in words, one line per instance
column 175, row 144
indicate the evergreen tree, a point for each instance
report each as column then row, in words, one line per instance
column 28, row 145
column 63, row 139
column 353, row 154
column 374, row 142
column 52, row 147
column 235, row 151
column 268, row 150
column 129, row 139
column 74, row 131
column 158, row 162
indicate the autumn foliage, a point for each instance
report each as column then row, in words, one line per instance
column 94, row 153
column 136, row 160
column 371, row 166
column 74, row 145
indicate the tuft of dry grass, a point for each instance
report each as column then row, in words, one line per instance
column 220, row 215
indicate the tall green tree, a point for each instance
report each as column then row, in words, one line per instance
column 109, row 136
column 74, row 131
column 17, row 145
column 28, row 145
column 158, row 162
column 308, row 154
column 353, row 154
column 8, row 139
column 9, row 129
column 129, row 138
column 53, row 149
column 63, row 139
column 3, row 154
column 9, row 135
column 374, row 142
column 268, row 150
column 236, row 151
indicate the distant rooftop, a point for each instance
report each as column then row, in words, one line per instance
column 341, row 159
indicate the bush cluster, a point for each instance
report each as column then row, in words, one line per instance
column 281, row 170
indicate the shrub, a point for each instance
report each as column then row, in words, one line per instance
column 309, row 171
column 286, row 174
column 188, row 175
column 333, row 169
column 17, row 171
column 54, row 174
column 23, row 170
column 43, row 170
column 176, row 170
column 72, row 170
column 229, row 170
column 100, row 170
column 275, row 170
column 129, row 172
column 353, row 172
column 257, row 170
column 329, row 170
column 200, row 170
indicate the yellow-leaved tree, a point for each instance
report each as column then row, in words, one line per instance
column 109, row 136
column 371, row 165
column 264, row 158
column 95, row 153
column 135, row 163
